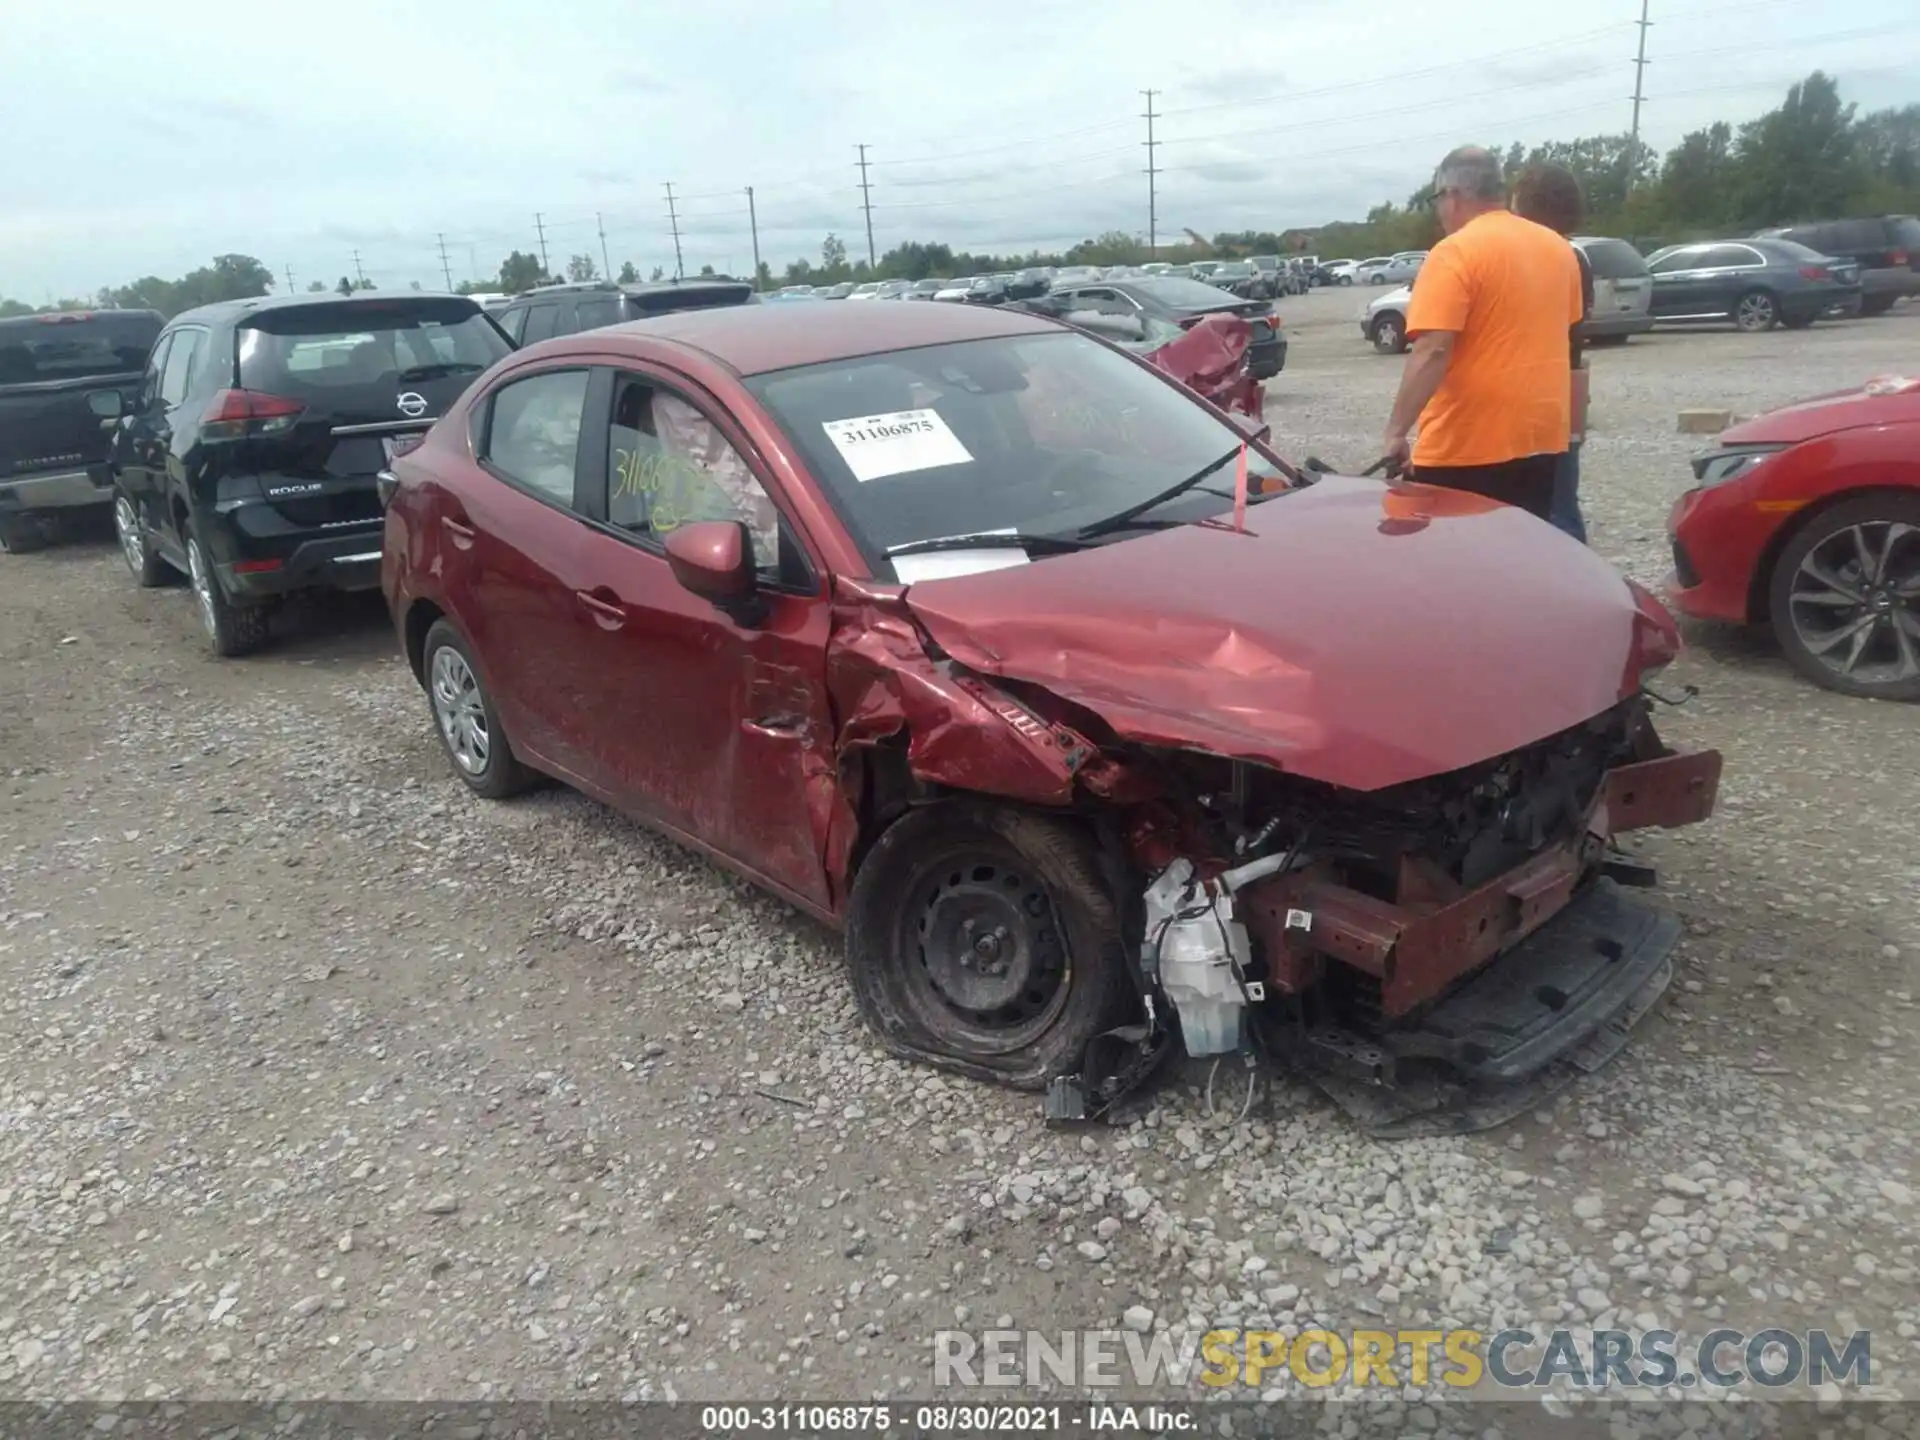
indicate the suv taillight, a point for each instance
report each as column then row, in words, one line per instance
column 1896, row 257
column 237, row 414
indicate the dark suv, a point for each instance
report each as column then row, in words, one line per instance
column 250, row 458
column 551, row 310
column 1886, row 249
column 52, row 452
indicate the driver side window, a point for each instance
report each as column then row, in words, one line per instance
column 156, row 364
column 668, row 465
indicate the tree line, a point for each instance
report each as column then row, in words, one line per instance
column 1813, row 157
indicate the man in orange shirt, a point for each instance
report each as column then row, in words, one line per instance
column 1489, row 379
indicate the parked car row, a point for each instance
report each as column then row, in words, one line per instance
column 1756, row 284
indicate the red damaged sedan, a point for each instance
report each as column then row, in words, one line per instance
column 1808, row 518
column 1092, row 723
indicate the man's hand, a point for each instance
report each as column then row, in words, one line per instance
column 1397, row 451
column 1426, row 368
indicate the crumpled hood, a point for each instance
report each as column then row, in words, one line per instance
column 1360, row 634
column 1889, row 400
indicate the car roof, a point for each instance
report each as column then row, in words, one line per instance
column 258, row 304
column 755, row 339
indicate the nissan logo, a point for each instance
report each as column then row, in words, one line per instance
column 412, row 406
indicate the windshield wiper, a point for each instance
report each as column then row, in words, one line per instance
column 440, row 372
column 1132, row 512
column 991, row 540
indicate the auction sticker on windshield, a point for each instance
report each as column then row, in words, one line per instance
column 876, row 446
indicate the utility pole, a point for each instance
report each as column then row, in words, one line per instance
column 753, row 224
column 473, row 263
column 358, row 273
column 540, row 229
column 866, row 203
column 446, row 269
column 1153, row 211
column 605, row 263
column 673, row 219
column 1639, row 78
column 289, row 279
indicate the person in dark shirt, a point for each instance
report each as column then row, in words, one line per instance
column 1549, row 195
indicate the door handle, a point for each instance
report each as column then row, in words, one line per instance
column 605, row 607
column 462, row 534
column 775, row 727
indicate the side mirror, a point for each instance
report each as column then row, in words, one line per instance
column 107, row 404
column 714, row 560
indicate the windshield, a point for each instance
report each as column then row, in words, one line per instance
column 1180, row 293
column 1040, row 434
column 361, row 342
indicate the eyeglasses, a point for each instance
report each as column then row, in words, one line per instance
column 1434, row 199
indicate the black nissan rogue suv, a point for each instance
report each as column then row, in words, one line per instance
column 52, row 454
column 250, row 458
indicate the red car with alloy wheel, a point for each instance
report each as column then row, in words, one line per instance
column 1808, row 519
column 1093, row 723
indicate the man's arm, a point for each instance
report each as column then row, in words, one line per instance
column 1426, row 368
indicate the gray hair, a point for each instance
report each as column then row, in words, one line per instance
column 1473, row 172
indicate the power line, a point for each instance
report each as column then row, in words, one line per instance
column 1153, row 210
column 673, row 219
column 866, row 202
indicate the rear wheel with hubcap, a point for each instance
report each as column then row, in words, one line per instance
column 981, row 938
column 1845, row 598
column 464, row 718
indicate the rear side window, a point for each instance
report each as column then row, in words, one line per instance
column 318, row 348
column 1614, row 260
column 592, row 314
column 539, row 323
column 183, row 365
column 75, row 347
column 514, row 322
column 533, row 437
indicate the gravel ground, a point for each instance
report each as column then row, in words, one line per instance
column 320, row 1078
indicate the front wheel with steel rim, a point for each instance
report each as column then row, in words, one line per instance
column 981, row 938
column 232, row 629
column 148, row 568
column 1755, row 311
column 1845, row 597
column 464, row 718
column 1389, row 334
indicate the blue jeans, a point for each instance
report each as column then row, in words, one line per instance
column 1566, row 495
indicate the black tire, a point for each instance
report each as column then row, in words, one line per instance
column 1755, row 312
column 1890, row 605
column 136, row 542
column 481, row 756
column 24, row 533
column 232, row 629
column 1609, row 340
column 964, row 868
column 1390, row 333
column 1797, row 322
column 1877, row 304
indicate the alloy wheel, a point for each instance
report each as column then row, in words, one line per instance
column 1855, row 602
column 1754, row 312
column 126, row 524
column 461, row 713
column 202, row 580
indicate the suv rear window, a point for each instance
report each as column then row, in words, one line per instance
column 360, row 342
column 643, row 303
column 1614, row 259
column 37, row 348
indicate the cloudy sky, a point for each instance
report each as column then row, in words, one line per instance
column 145, row 139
